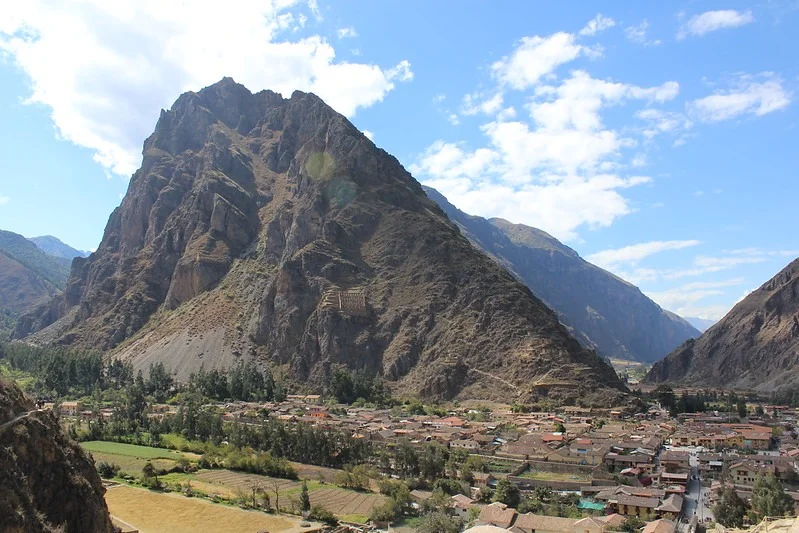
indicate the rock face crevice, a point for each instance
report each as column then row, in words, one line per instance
column 755, row 346
column 46, row 481
column 249, row 209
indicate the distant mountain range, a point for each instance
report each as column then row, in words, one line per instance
column 53, row 246
column 603, row 311
column 702, row 324
column 29, row 275
column 755, row 346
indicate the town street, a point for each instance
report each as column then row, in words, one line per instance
column 696, row 496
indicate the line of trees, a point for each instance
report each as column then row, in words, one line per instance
column 64, row 372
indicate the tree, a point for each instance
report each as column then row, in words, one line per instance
column 769, row 498
column 321, row 514
column 741, row 406
column 507, row 493
column 665, row 396
column 438, row 522
column 150, row 476
column 730, row 510
column 560, row 428
column 276, row 489
column 632, row 524
column 386, row 512
column 305, row 499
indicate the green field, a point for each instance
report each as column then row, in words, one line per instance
column 554, row 476
column 131, row 458
column 118, row 448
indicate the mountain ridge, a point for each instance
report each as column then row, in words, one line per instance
column 28, row 278
column 755, row 345
column 271, row 229
column 56, row 247
column 602, row 310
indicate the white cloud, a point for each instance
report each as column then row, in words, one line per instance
column 639, row 160
column 559, row 168
column 106, row 68
column 706, row 312
column 454, row 119
column 684, row 298
column 535, row 57
column 4, row 200
column 525, row 150
column 477, row 103
column 638, row 34
column 710, row 21
column 369, row 135
column 344, row 33
column 439, row 98
column 449, row 161
column 636, row 252
column 700, row 265
column 560, row 207
column 659, row 122
column 597, row 24
column 577, row 101
column 755, row 95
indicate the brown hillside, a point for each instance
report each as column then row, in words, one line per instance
column 270, row 228
column 756, row 346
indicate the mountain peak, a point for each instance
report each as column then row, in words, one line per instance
column 272, row 230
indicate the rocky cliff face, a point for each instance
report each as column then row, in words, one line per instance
column 46, row 481
column 603, row 311
column 755, row 346
column 270, row 228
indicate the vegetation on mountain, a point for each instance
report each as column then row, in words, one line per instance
column 54, row 270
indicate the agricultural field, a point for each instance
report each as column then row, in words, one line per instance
column 346, row 504
column 237, row 481
column 152, row 512
column 131, row 458
column 316, row 473
column 554, row 476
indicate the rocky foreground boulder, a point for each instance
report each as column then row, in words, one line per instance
column 46, row 481
column 755, row 346
column 271, row 229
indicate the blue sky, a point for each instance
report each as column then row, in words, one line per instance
column 656, row 139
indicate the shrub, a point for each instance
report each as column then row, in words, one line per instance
column 320, row 514
column 107, row 470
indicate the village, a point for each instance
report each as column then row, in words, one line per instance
column 666, row 471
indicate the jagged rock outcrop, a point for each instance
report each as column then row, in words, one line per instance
column 755, row 346
column 46, row 481
column 603, row 311
column 249, row 218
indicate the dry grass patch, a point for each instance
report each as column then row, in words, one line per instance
column 154, row 512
